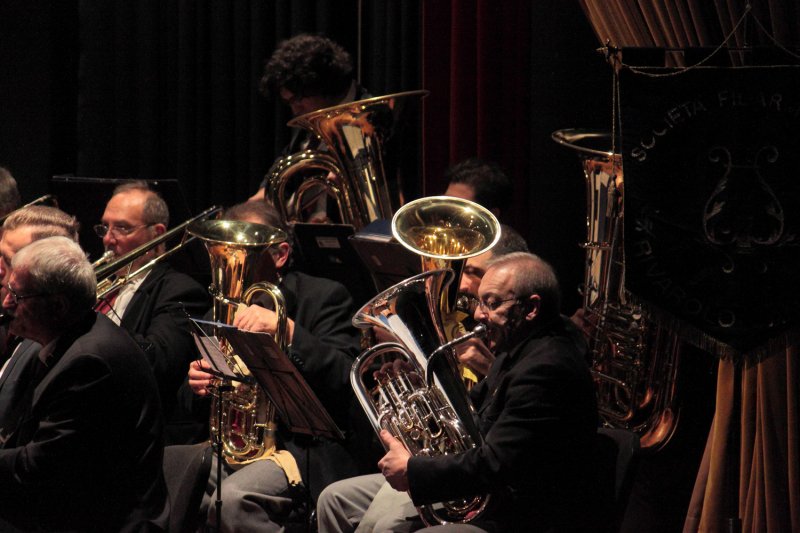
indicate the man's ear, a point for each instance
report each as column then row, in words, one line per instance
column 281, row 256
column 159, row 228
column 59, row 306
column 533, row 305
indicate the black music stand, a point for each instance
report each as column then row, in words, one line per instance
column 326, row 251
column 388, row 261
column 298, row 407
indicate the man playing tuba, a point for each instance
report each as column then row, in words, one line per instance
column 323, row 345
column 537, row 413
column 307, row 73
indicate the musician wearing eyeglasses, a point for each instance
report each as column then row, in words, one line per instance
column 154, row 307
column 536, row 412
column 21, row 228
column 86, row 451
column 323, row 344
column 474, row 353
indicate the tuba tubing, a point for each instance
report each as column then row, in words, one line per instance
column 352, row 169
column 634, row 359
column 238, row 255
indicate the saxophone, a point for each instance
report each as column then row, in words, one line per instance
column 238, row 255
column 634, row 359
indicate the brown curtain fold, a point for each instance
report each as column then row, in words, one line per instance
column 768, row 489
column 692, row 23
column 763, row 454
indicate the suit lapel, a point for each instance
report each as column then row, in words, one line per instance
column 136, row 308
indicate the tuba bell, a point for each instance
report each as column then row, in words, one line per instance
column 352, row 168
column 634, row 360
column 411, row 385
column 239, row 256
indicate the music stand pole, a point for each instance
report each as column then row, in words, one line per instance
column 221, row 388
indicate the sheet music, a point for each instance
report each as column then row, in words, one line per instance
column 298, row 407
column 208, row 346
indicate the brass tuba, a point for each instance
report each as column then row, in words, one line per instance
column 411, row 385
column 352, row 168
column 239, row 257
column 634, row 359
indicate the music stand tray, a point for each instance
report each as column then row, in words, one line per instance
column 299, row 408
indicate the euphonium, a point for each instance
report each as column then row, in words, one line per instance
column 352, row 168
column 634, row 359
column 239, row 256
column 416, row 393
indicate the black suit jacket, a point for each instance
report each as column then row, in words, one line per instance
column 538, row 414
column 87, row 453
column 156, row 318
column 323, row 348
column 13, row 386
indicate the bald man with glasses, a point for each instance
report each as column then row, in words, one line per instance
column 153, row 308
column 537, row 414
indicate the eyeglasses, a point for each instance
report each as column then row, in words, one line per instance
column 17, row 297
column 493, row 305
column 119, row 231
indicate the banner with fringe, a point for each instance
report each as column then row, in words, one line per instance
column 711, row 159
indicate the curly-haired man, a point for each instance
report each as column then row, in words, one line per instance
column 308, row 72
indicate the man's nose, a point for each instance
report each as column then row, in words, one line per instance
column 109, row 239
column 8, row 300
column 480, row 315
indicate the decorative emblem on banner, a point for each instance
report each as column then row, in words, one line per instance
column 713, row 203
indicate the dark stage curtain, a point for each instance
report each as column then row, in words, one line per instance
column 503, row 76
column 168, row 89
column 159, row 89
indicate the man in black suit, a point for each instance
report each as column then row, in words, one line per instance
column 259, row 495
column 153, row 308
column 536, row 411
column 21, row 228
column 86, row 451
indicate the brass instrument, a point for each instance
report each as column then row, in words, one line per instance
column 634, row 359
column 417, row 394
column 352, row 168
column 239, row 256
column 46, row 199
column 446, row 231
column 108, row 266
